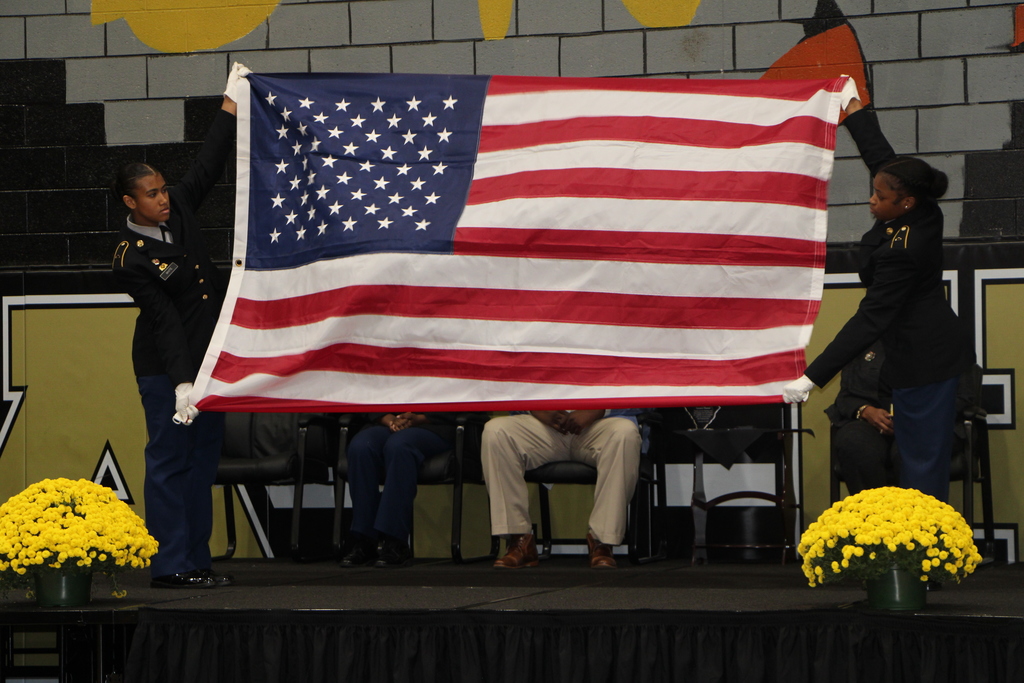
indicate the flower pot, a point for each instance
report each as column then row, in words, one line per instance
column 896, row 589
column 63, row 589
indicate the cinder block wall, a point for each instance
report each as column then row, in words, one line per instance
column 78, row 99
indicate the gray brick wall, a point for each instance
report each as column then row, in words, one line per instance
column 920, row 83
column 98, row 80
column 361, row 59
column 145, row 122
column 457, row 20
column 439, row 58
column 12, row 38
column 942, row 74
column 995, row 79
column 187, row 75
column 538, row 17
column 323, row 24
column 884, row 38
column 533, row 56
column 758, row 46
column 964, row 128
column 394, row 21
column 605, row 54
column 71, row 35
column 976, row 30
column 702, row 48
column 15, row 8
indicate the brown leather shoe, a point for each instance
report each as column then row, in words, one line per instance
column 521, row 552
column 601, row 556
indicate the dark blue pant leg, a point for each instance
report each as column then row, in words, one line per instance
column 404, row 452
column 206, row 439
column 167, row 477
column 365, row 474
column 923, row 421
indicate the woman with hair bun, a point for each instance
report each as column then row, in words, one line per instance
column 162, row 263
column 926, row 345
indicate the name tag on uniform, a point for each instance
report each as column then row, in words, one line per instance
column 166, row 272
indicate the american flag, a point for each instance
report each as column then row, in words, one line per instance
column 482, row 242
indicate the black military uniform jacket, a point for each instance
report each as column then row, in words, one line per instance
column 177, row 288
column 905, row 304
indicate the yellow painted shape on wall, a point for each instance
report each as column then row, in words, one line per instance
column 495, row 16
column 185, row 25
column 662, row 13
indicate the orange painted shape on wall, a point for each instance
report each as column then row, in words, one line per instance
column 1018, row 26
column 185, row 25
column 829, row 54
column 662, row 13
column 495, row 16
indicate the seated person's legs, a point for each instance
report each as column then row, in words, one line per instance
column 365, row 474
column 404, row 452
column 865, row 457
column 511, row 445
column 612, row 446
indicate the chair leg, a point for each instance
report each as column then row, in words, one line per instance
column 457, row 494
column 229, row 519
column 545, row 522
column 337, row 537
column 297, row 497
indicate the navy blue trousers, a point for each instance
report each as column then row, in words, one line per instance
column 923, row 422
column 181, row 466
column 379, row 456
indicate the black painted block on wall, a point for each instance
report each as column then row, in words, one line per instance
column 199, row 115
column 989, row 217
column 67, row 211
column 13, row 212
column 65, row 124
column 95, row 165
column 12, row 126
column 994, row 174
column 28, row 168
column 33, row 81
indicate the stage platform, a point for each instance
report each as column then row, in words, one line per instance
column 436, row 621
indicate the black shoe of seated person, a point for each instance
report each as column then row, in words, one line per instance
column 393, row 553
column 362, row 552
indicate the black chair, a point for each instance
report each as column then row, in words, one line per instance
column 970, row 462
column 647, row 508
column 456, row 467
column 276, row 449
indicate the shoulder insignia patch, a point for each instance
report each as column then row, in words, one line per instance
column 901, row 238
column 119, row 254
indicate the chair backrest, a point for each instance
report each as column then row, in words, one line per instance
column 260, row 435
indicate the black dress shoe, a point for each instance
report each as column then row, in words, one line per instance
column 191, row 579
column 362, row 552
column 392, row 554
column 219, row 579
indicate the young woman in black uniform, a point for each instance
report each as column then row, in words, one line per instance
column 162, row 262
column 926, row 345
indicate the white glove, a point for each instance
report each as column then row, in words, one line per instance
column 849, row 92
column 798, row 390
column 238, row 72
column 183, row 412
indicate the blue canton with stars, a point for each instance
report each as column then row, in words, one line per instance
column 344, row 164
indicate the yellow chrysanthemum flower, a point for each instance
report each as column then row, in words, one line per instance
column 867, row 533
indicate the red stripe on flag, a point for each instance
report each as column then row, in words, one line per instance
column 267, row 404
column 777, row 90
column 650, row 129
column 583, row 308
column 508, row 366
column 725, row 186
column 640, row 247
